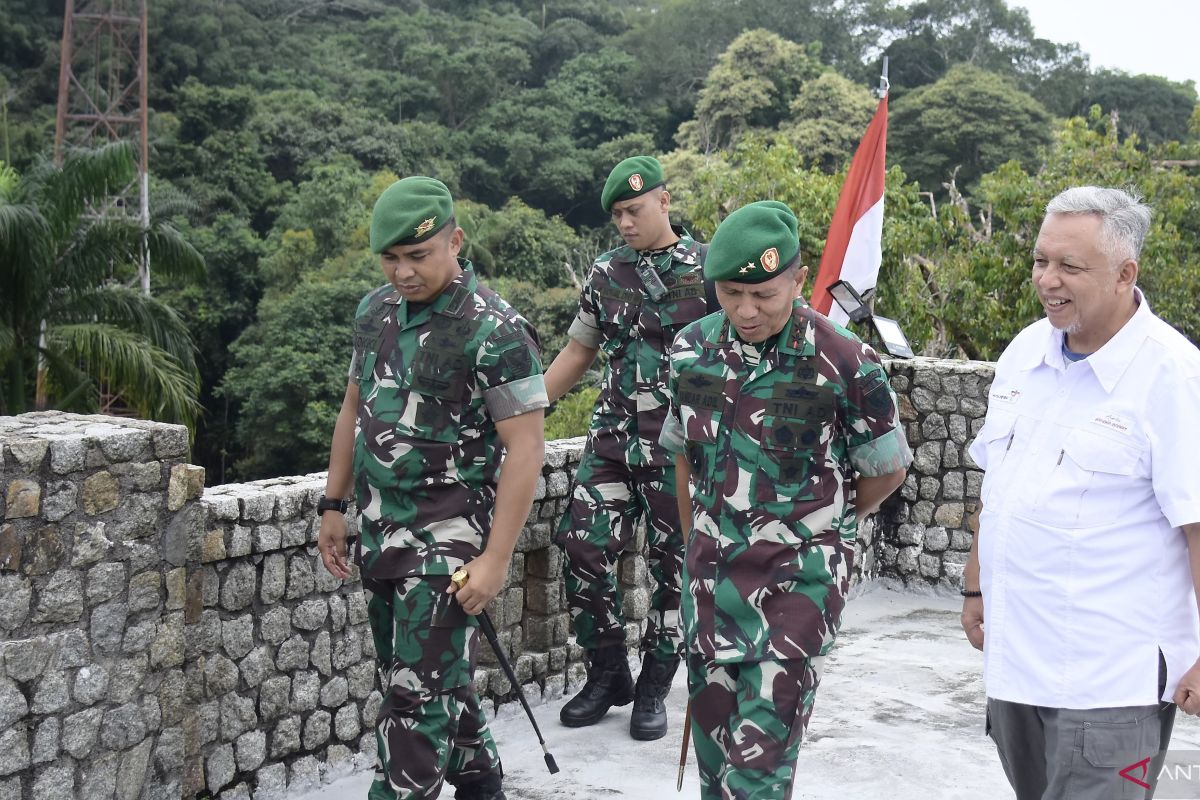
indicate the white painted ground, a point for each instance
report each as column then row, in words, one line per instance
column 899, row 716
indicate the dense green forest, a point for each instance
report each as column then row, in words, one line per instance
column 275, row 124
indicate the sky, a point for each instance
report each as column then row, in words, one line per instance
column 1152, row 36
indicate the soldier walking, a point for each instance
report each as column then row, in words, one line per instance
column 636, row 299
column 785, row 434
column 444, row 373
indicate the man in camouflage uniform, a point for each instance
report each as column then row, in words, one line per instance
column 444, row 373
column 786, row 434
column 636, row 299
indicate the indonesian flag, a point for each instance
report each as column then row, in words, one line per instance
column 854, row 246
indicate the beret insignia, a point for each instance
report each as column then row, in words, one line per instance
column 770, row 259
column 635, row 182
column 425, row 227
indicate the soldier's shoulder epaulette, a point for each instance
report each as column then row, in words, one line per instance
column 373, row 298
column 622, row 254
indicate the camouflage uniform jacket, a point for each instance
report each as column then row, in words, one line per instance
column 774, row 448
column 426, row 451
column 618, row 315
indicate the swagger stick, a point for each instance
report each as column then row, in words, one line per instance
column 459, row 579
column 687, row 732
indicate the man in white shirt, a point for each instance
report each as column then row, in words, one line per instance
column 1087, row 547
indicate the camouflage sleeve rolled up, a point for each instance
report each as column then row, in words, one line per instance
column 510, row 371
column 585, row 328
column 875, row 442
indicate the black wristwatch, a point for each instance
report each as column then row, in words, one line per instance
column 332, row 504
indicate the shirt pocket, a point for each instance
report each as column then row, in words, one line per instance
column 432, row 393
column 792, row 459
column 700, row 427
column 1088, row 483
column 618, row 316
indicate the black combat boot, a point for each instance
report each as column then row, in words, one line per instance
column 609, row 684
column 486, row 788
column 649, row 718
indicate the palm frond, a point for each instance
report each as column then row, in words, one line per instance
column 171, row 254
column 132, row 311
column 167, row 201
column 98, row 250
column 24, row 261
column 152, row 381
column 86, row 178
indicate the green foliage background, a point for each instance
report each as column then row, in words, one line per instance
column 276, row 123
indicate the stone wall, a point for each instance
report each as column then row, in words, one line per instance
column 922, row 535
column 93, row 545
column 161, row 641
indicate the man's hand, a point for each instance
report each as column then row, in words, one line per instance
column 1187, row 696
column 972, row 621
column 331, row 544
column 486, row 577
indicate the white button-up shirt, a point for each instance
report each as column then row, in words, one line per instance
column 1090, row 470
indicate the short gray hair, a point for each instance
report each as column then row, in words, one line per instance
column 1124, row 218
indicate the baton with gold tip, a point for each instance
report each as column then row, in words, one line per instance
column 459, row 579
column 687, row 731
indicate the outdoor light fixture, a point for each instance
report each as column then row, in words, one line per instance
column 850, row 300
column 856, row 308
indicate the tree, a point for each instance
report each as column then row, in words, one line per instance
column 517, row 242
column 1154, row 108
column 289, row 371
column 935, row 35
column 970, row 121
column 751, row 86
column 62, row 275
column 828, row 119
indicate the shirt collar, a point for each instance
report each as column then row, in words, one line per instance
column 450, row 301
column 796, row 338
column 685, row 251
column 1110, row 361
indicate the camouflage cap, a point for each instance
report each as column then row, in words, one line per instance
column 632, row 177
column 411, row 210
column 753, row 244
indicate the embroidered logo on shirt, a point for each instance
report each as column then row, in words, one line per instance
column 1112, row 422
column 1010, row 397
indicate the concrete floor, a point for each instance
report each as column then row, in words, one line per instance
column 899, row 715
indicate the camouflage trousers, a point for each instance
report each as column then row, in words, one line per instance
column 431, row 727
column 608, row 499
column 747, row 723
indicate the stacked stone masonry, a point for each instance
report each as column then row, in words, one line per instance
column 163, row 640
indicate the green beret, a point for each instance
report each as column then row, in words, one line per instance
column 411, row 210
column 631, row 178
column 753, row 244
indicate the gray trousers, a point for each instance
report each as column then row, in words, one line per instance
column 1072, row 754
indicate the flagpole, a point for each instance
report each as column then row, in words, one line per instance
column 885, row 86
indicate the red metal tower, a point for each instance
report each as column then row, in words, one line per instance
column 102, row 94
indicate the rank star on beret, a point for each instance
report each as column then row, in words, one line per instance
column 632, row 177
column 753, row 244
column 409, row 211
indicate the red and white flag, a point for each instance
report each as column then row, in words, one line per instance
column 854, row 246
